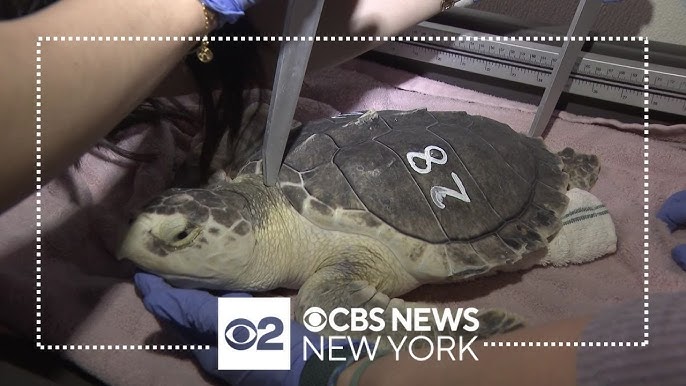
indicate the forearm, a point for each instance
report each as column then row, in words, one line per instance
column 496, row 365
column 339, row 18
column 366, row 18
column 86, row 87
column 343, row 18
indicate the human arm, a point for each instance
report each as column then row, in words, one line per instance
column 616, row 351
column 340, row 19
column 89, row 87
column 86, row 87
column 515, row 365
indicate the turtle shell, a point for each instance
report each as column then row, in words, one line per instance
column 450, row 193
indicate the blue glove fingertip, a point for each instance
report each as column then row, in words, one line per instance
column 147, row 283
column 233, row 294
column 228, row 11
column 671, row 225
column 679, row 256
column 673, row 211
column 188, row 309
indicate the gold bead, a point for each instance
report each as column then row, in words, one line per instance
column 204, row 54
column 447, row 4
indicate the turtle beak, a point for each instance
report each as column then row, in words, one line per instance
column 134, row 240
column 123, row 252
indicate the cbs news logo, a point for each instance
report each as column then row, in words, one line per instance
column 254, row 333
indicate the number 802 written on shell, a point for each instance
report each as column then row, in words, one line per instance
column 438, row 193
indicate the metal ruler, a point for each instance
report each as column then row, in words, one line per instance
column 596, row 76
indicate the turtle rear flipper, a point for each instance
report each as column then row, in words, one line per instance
column 583, row 169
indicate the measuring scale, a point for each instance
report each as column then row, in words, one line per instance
column 597, row 76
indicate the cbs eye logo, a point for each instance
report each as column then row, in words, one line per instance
column 242, row 334
column 315, row 319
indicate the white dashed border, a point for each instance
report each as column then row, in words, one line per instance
column 646, row 215
column 423, row 38
column 39, row 69
column 646, row 194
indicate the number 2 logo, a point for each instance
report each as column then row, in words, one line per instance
column 241, row 334
column 438, row 193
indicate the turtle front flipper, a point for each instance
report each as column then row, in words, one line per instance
column 335, row 287
column 583, row 169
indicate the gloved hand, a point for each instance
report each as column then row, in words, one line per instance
column 228, row 11
column 193, row 313
column 673, row 213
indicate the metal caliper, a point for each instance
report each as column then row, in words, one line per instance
column 301, row 22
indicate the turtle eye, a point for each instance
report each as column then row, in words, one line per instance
column 186, row 236
column 177, row 232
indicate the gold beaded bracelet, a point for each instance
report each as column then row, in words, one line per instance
column 203, row 52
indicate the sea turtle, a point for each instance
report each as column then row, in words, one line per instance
column 369, row 206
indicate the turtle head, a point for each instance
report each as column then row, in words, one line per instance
column 195, row 238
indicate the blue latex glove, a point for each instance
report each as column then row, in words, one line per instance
column 228, row 11
column 673, row 213
column 193, row 313
column 679, row 256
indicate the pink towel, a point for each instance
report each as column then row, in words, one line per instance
column 87, row 298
